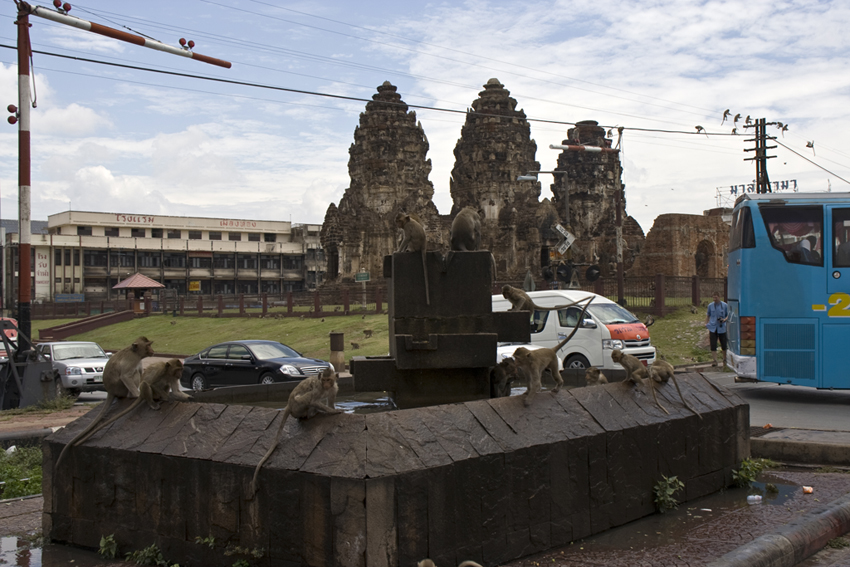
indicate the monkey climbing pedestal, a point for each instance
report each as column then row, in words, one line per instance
column 486, row 480
column 442, row 352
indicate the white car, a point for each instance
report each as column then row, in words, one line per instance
column 77, row 366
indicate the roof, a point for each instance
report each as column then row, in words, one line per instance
column 137, row 281
column 36, row 226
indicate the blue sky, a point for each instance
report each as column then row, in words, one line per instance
column 120, row 140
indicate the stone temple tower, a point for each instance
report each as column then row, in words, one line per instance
column 495, row 148
column 594, row 182
column 389, row 173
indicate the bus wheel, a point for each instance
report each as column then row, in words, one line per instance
column 576, row 362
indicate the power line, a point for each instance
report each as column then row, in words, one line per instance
column 811, row 162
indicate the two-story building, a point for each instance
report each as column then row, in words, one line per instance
column 88, row 253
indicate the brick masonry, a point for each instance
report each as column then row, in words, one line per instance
column 487, row 480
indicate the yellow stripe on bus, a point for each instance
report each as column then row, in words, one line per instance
column 818, row 307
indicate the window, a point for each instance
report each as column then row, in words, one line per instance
column 110, row 231
column 239, row 352
column 76, row 257
column 215, row 235
column 270, row 262
column 797, row 232
column 149, row 259
column 122, row 259
column 234, row 236
column 569, row 317
column 58, row 258
column 224, row 261
column 194, row 235
column 741, row 235
column 174, row 234
column 841, row 238
column 94, row 258
column 247, row 262
column 67, row 257
column 137, row 232
column 173, row 260
column 219, row 351
column 292, row 263
column 269, row 237
column 247, row 287
column 253, row 237
column 156, row 233
column 83, row 231
column 223, row 287
column 204, row 263
column 538, row 321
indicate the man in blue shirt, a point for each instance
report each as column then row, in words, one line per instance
column 715, row 322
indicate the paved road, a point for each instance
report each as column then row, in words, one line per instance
column 791, row 406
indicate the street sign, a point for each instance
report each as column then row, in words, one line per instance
column 361, row 277
column 567, row 239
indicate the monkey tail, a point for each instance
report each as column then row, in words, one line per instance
column 425, row 272
column 253, row 487
column 85, row 433
column 578, row 324
column 112, row 419
column 699, row 415
column 469, row 564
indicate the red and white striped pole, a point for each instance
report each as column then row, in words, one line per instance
column 24, row 183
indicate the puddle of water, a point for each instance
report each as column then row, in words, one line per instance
column 360, row 402
column 16, row 552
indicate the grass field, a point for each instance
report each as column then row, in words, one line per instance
column 677, row 336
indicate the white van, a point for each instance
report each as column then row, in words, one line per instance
column 606, row 326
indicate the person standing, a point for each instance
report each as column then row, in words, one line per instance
column 715, row 322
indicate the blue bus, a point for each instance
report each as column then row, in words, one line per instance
column 789, row 289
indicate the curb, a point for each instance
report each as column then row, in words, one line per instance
column 795, row 542
column 30, row 437
column 800, row 451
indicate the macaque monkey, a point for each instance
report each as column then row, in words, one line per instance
column 367, row 333
column 355, row 346
column 121, row 377
column 466, row 230
column 160, row 382
column 661, row 372
column 429, row 563
column 305, row 401
column 593, row 376
column 501, row 378
column 635, row 370
column 414, row 241
column 520, row 301
column 533, row 363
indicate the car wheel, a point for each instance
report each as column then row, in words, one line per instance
column 199, row 382
column 62, row 391
column 267, row 379
column 576, row 362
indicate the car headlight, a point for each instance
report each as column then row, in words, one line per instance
column 73, row 370
column 611, row 344
column 291, row 370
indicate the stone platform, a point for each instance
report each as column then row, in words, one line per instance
column 488, row 480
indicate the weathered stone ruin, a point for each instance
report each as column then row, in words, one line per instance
column 389, row 173
column 685, row 245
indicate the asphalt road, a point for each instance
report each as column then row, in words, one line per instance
column 791, row 406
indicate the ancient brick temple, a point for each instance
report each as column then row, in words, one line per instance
column 389, row 173
column 685, row 245
column 495, row 148
column 594, row 182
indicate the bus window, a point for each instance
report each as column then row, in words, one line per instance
column 841, row 238
column 741, row 235
column 797, row 232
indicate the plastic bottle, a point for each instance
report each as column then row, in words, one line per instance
column 754, row 499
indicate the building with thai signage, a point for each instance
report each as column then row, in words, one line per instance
column 88, row 253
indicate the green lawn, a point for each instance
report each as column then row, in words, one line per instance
column 676, row 336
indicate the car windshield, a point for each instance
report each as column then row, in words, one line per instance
column 612, row 314
column 265, row 351
column 68, row 352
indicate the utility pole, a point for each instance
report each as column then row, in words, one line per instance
column 761, row 157
column 22, row 117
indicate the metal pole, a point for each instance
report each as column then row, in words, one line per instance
column 24, row 182
column 620, row 283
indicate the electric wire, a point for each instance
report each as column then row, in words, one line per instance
column 811, row 162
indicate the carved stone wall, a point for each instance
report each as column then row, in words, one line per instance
column 389, row 173
column 685, row 245
column 495, row 148
column 594, row 182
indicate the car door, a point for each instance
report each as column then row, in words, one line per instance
column 240, row 365
column 214, row 365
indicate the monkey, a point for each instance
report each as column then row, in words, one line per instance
column 661, row 371
column 700, row 129
column 649, row 321
column 305, row 401
column 429, row 563
column 635, row 370
column 533, row 363
column 726, row 114
column 367, row 333
column 160, row 382
column 355, row 346
column 501, row 378
column 593, row 376
column 520, row 301
column 121, row 377
column 466, row 230
column 414, row 240
column 735, row 120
